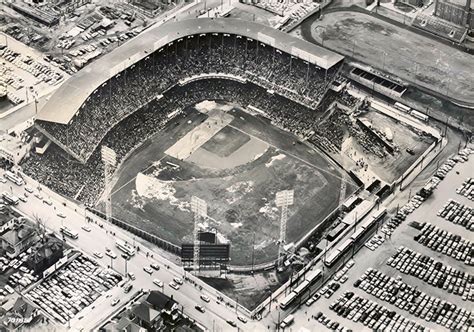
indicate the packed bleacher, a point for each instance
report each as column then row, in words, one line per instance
column 289, row 77
column 57, row 170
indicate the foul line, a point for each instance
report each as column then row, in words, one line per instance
column 342, row 178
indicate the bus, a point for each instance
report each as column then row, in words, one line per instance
column 287, row 321
column 125, row 247
column 301, row 287
column 310, row 277
column 313, row 275
column 69, row 232
column 10, row 199
column 419, row 116
column 402, row 107
column 287, row 300
column 14, row 178
column 338, row 252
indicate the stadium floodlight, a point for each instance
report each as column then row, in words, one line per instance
column 283, row 199
column 109, row 158
column 199, row 208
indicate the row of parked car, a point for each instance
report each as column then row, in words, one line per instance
column 433, row 272
column 39, row 70
column 8, row 77
column 458, row 213
column 15, row 263
column 467, row 189
column 462, row 156
column 373, row 315
column 447, row 243
column 329, row 323
column 413, row 300
column 375, row 242
column 22, row 277
column 74, row 287
column 389, row 227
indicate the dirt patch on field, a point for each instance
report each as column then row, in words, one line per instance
column 398, row 51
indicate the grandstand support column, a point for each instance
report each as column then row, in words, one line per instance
column 307, row 73
column 199, row 209
column 235, row 44
column 283, row 199
column 109, row 158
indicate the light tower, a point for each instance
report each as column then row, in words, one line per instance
column 283, row 199
column 199, row 208
column 109, row 158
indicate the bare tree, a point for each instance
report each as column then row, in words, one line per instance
column 40, row 227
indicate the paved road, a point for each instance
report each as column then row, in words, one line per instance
column 101, row 238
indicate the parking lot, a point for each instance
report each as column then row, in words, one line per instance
column 25, row 74
column 418, row 276
column 14, row 275
column 467, row 189
column 71, row 289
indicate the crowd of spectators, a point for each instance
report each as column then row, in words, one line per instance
column 347, row 99
column 329, row 133
column 59, row 171
column 128, row 91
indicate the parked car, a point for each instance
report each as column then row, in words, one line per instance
column 158, row 282
column 98, row 254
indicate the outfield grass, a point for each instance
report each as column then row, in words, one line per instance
column 240, row 199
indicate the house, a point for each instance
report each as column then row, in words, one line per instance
column 124, row 324
column 147, row 317
column 7, row 218
column 18, row 239
column 164, row 304
column 22, row 313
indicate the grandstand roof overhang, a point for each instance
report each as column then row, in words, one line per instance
column 70, row 96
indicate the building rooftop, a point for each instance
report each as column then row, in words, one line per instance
column 160, row 301
column 18, row 235
column 69, row 97
column 146, row 313
column 7, row 214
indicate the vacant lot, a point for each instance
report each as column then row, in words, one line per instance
column 403, row 53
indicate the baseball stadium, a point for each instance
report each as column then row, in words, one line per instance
column 207, row 108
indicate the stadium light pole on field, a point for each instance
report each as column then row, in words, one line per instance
column 109, row 158
column 199, row 208
column 283, row 199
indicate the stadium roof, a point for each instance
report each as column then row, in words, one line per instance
column 69, row 97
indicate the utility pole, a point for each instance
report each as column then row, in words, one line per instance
column 253, row 251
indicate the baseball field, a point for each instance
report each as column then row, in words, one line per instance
column 236, row 162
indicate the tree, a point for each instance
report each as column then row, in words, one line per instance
column 40, row 227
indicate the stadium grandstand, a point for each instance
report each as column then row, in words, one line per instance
column 84, row 109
